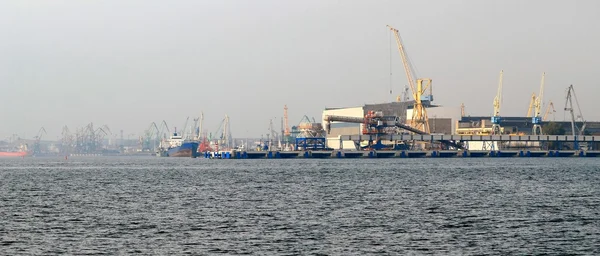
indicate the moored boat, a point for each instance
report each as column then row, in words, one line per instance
column 176, row 146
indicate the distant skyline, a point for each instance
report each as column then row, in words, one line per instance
column 126, row 64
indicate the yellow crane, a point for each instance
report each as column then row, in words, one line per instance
column 419, row 119
column 496, row 119
column 537, row 119
column 550, row 106
column 531, row 104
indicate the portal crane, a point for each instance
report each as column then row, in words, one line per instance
column 38, row 138
column 164, row 131
column 419, row 114
column 496, row 119
column 537, row 119
column 569, row 107
column 151, row 138
column 225, row 137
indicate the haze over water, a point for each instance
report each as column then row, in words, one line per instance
column 299, row 206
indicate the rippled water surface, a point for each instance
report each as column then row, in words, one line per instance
column 299, row 206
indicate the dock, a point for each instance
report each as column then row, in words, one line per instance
column 397, row 154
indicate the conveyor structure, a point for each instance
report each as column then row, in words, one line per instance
column 375, row 123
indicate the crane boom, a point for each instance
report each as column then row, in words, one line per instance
column 496, row 129
column 537, row 119
column 407, row 70
column 539, row 98
column 498, row 98
column 531, row 104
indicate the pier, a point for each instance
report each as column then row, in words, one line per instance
column 398, row 154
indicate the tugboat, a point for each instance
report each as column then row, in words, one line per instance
column 176, row 146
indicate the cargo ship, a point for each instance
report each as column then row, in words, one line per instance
column 13, row 154
column 176, row 146
column 8, row 151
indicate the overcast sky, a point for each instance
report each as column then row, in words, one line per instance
column 128, row 63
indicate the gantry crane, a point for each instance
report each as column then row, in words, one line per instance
column 537, row 119
column 531, row 105
column 496, row 119
column 419, row 119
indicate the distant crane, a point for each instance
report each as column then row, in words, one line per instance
column 200, row 130
column 569, row 107
column 286, row 131
column 152, row 136
column 164, row 131
column 66, row 142
column 225, row 136
column 537, row 119
column 183, row 133
column 531, row 104
column 36, row 146
column 550, row 106
column 405, row 96
column 272, row 135
column 419, row 119
column 496, row 119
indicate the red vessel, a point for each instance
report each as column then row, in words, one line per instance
column 13, row 154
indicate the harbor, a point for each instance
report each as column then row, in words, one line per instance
column 411, row 126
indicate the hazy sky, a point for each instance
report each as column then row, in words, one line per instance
column 129, row 63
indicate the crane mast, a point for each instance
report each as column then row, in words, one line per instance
column 496, row 119
column 419, row 119
column 537, row 119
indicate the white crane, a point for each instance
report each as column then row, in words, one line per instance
column 537, row 119
column 496, row 119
